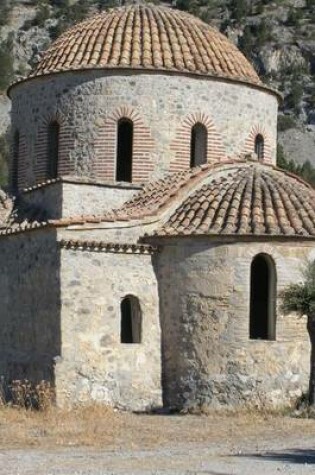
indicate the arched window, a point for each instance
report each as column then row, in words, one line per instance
column 263, row 298
column 198, row 145
column 53, row 149
column 124, row 150
column 131, row 320
column 15, row 161
column 259, row 146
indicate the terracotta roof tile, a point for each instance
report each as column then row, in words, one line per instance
column 229, row 198
column 157, row 195
column 146, row 36
column 251, row 199
column 101, row 246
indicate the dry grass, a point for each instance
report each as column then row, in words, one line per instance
column 87, row 426
column 99, row 426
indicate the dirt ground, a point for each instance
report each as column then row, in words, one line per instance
column 98, row 441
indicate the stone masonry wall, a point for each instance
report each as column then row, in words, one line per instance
column 208, row 358
column 163, row 108
column 94, row 364
column 60, row 321
column 30, row 336
column 65, row 199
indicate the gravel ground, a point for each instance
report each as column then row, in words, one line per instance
column 188, row 460
column 288, row 453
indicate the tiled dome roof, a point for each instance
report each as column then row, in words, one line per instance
column 146, row 37
column 247, row 200
column 228, row 198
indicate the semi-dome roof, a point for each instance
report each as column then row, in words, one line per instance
column 246, row 200
column 146, row 37
column 237, row 199
column 231, row 198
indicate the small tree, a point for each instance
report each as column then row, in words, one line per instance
column 239, row 9
column 247, row 41
column 295, row 97
column 300, row 298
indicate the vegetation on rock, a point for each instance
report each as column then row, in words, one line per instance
column 5, row 10
column 305, row 171
column 6, row 63
column 4, row 157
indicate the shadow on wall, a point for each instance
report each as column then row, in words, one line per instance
column 30, row 337
column 163, row 273
column 40, row 205
column 294, row 456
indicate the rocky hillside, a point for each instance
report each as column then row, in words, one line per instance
column 277, row 36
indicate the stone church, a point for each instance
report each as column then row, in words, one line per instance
column 147, row 232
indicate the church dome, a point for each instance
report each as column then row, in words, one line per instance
column 247, row 200
column 147, row 37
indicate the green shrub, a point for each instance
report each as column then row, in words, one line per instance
column 281, row 160
column 5, row 9
column 42, row 13
column 59, row 3
column 103, row 4
column 311, row 99
column 285, row 122
column 310, row 4
column 305, row 171
column 69, row 15
column 6, row 64
column 263, row 33
column 247, row 41
column 294, row 98
column 239, row 9
column 259, row 8
column 294, row 16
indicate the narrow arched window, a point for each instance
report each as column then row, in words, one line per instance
column 263, row 298
column 15, row 161
column 53, row 149
column 198, row 145
column 124, row 150
column 259, row 147
column 131, row 320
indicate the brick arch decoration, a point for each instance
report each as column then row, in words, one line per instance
column 181, row 144
column 106, row 146
column 66, row 144
column 249, row 146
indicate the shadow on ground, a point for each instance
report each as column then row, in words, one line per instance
column 296, row 456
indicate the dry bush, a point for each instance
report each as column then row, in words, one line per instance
column 31, row 396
